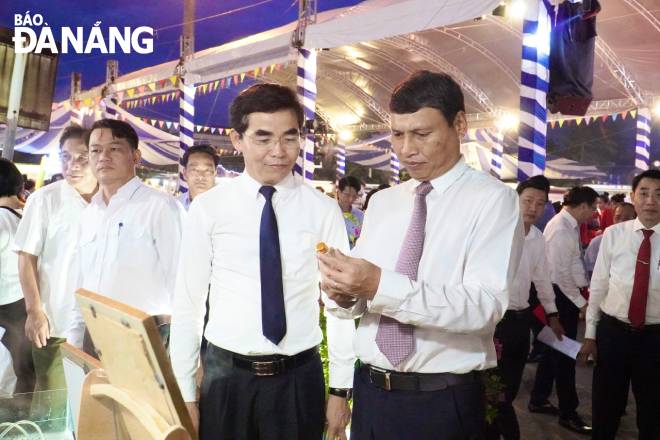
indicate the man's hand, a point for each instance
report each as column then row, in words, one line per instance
column 588, row 349
column 337, row 415
column 36, row 328
column 193, row 410
column 555, row 325
column 343, row 276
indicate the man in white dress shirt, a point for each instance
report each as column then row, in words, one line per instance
column 512, row 332
column 199, row 165
column 45, row 241
column 129, row 235
column 623, row 317
column 431, row 276
column 568, row 277
column 253, row 240
column 622, row 213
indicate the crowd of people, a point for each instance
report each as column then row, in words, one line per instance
column 442, row 274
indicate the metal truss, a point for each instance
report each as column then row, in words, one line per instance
column 641, row 10
column 410, row 43
column 346, row 80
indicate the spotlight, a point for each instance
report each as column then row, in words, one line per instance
column 345, row 135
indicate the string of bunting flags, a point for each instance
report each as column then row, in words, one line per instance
column 589, row 119
column 174, row 127
column 128, row 102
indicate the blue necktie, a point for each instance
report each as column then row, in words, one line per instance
column 273, row 319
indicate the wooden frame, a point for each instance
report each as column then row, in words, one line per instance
column 135, row 395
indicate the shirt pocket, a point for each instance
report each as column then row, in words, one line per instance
column 135, row 244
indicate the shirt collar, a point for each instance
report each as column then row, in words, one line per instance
column 125, row 192
column 443, row 182
column 638, row 226
column 567, row 215
column 69, row 192
column 284, row 187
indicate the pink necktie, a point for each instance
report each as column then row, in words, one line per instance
column 394, row 339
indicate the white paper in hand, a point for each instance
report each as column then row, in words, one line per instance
column 567, row 346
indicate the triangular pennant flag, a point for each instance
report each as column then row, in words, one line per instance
column 633, row 113
column 229, row 81
column 578, row 120
column 623, row 115
column 615, row 116
column 169, row 125
column 216, row 83
column 176, row 125
column 235, row 77
column 213, row 129
column 130, row 92
column 604, row 118
column 271, row 68
column 560, row 122
column 152, row 86
column 205, row 88
column 173, row 79
column 198, row 128
column 207, row 129
column 153, row 121
column 256, row 71
column 242, row 77
column 97, row 99
column 161, row 83
column 222, row 83
column 140, row 89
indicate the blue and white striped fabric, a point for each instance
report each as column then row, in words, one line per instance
column 643, row 140
column 534, row 80
column 306, row 88
column 186, row 126
column 494, row 138
column 109, row 108
column 340, row 155
column 395, row 167
column 76, row 116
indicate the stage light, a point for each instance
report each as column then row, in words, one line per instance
column 515, row 9
column 346, row 135
column 508, row 121
column 656, row 109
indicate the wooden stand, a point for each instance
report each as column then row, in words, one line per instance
column 135, row 395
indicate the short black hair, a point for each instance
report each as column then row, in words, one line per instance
column 351, row 181
column 618, row 198
column 73, row 131
column 263, row 98
column 579, row 195
column 119, row 129
column 203, row 149
column 537, row 182
column 428, row 89
column 605, row 197
column 648, row 174
column 11, row 180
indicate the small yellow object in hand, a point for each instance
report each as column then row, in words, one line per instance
column 321, row 247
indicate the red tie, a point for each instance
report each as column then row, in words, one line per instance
column 640, row 291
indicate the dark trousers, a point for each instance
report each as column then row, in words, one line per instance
column 12, row 319
column 513, row 333
column 455, row 413
column 624, row 358
column 235, row 404
column 558, row 367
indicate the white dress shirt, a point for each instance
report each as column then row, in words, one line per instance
column 221, row 248
column 10, row 286
column 533, row 269
column 614, row 274
column 48, row 230
column 562, row 244
column 128, row 250
column 473, row 242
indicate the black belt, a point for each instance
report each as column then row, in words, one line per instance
column 647, row 328
column 518, row 314
column 271, row 365
column 394, row 380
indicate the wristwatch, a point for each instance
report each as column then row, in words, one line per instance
column 346, row 393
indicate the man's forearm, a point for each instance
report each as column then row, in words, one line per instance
column 28, row 275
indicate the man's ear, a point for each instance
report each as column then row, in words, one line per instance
column 460, row 124
column 236, row 140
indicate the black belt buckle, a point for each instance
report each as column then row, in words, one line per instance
column 387, row 382
column 267, row 368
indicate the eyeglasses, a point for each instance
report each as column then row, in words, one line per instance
column 286, row 141
column 82, row 159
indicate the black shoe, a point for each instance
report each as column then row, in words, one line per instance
column 545, row 408
column 575, row 424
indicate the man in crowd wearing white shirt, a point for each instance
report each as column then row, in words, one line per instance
column 622, row 213
column 253, row 240
column 430, row 277
column 512, row 332
column 128, row 245
column 568, row 277
column 623, row 317
column 199, row 165
column 12, row 304
column 45, row 241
